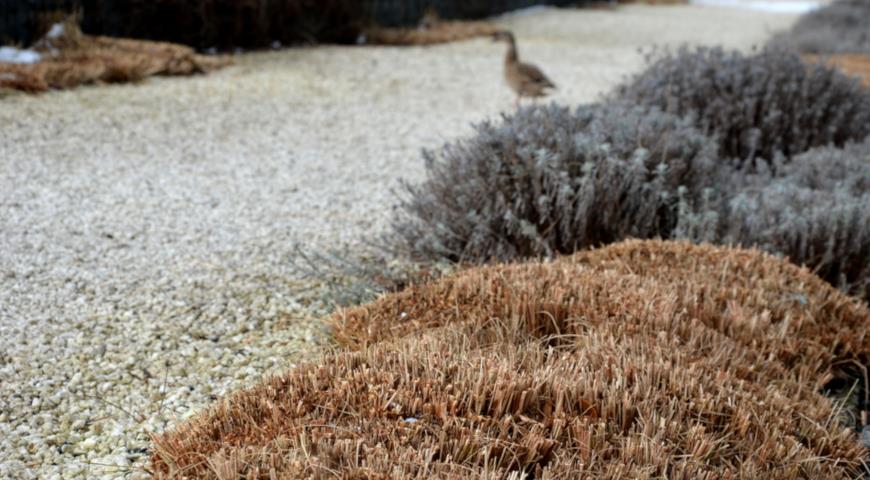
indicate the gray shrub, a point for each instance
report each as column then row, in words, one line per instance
column 841, row 27
column 757, row 106
column 814, row 210
column 754, row 150
column 548, row 180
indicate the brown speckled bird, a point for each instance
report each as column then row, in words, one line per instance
column 526, row 80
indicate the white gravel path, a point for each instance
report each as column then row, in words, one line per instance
column 146, row 230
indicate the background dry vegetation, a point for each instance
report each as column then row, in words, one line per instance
column 853, row 63
column 71, row 58
column 109, row 53
column 228, row 24
column 840, row 27
column 640, row 360
column 837, row 34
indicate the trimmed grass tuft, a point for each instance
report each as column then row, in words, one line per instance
column 645, row 359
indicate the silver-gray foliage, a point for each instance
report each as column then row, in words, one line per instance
column 548, row 180
column 757, row 106
column 814, row 210
column 841, row 27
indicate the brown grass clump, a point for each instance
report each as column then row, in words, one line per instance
column 22, row 78
column 645, row 359
column 850, row 63
column 438, row 32
column 75, row 58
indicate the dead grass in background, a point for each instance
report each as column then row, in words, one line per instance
column 850, row 63
column 75, row 58
column 440, row 32
column 645, row 359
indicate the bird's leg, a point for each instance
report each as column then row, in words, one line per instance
column 517, row 102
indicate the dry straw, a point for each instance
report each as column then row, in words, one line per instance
column 442, row 33
column 645, row 359
column 850, row 63
column 73, row 59
column 432, row 30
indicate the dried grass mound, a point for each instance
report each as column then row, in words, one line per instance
column 166, row 58
column 71, row 58
column 440, row 32
column 21, row 78
column 850, row 63
column 645, row 359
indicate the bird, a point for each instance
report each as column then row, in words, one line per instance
column 525, row 79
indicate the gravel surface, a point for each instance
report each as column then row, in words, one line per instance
column 147, row 230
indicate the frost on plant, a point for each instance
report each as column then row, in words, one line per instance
column 757, row 106
column 815, row 210
column 817, row 213
column 549, row 180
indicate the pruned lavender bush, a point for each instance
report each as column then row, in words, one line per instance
column 757, row 106
column 841, row 27
column 815, row 211
column 548, row 180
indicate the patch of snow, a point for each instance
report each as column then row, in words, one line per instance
column 17, row 55
column 56, row 31
column 774, row 6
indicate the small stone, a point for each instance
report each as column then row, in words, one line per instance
column 88, row 444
